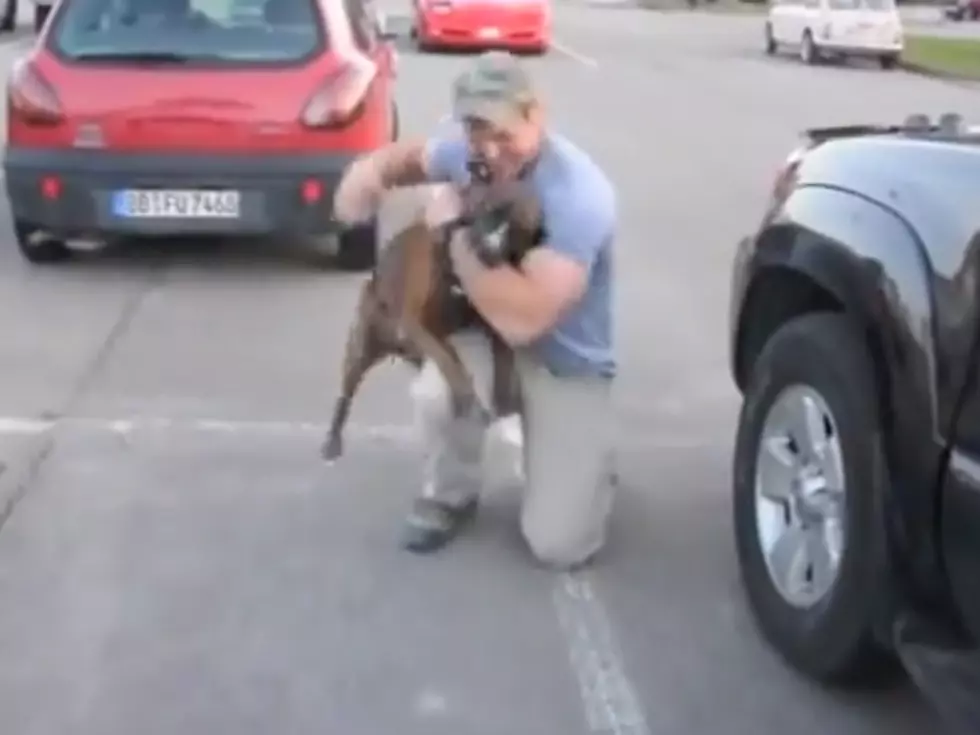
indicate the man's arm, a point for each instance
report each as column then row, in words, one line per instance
column 522, row 305
column 403, row 163
column 408, row 163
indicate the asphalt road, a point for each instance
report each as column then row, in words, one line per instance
column 181, row 561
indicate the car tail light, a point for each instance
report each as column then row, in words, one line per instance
column 784, row 182
column 311, row 191
column 340, row 97
column 786, row 176
column 50, row 187
column 31, row 97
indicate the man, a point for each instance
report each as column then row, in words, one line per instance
column 556, row 310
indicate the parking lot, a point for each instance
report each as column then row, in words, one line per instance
column 178, row 558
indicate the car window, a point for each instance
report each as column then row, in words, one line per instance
column 878, row 4
column 233, row 31
column 862, row 4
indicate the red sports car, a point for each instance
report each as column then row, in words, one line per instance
column 517, row 25
column 152, row 117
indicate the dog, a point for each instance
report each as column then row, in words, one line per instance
column 410, row 305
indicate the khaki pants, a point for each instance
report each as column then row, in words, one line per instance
column 567, row 451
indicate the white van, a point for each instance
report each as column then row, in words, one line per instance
column 836, row 28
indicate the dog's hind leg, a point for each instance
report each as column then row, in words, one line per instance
column 362, row 352
column 461, row 387
column 506, row 389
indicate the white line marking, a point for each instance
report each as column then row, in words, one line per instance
column 14, row 425
column 609, row 697
column 507, row 430
column 573, row 54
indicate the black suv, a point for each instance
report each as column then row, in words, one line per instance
column 855, row 340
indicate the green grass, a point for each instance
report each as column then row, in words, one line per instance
column 958, row 56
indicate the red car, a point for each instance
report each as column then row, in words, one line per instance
column 148, row 117
column 516, row 25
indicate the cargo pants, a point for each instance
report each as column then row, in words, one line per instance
column 566, row 437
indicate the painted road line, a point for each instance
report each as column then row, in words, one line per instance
column 571, row 53
column 608, row 695
column 508, row 430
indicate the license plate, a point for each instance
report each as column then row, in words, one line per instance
column 489, row 33
column 176, row 204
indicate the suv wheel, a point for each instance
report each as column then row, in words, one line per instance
column 37, row 247
column 808, row 49
column 8, row 21
column 358, row 248
column 41, row 13
column 888, row 61
column 770, row 41
column 808, row 479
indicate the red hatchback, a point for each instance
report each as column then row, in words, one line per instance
column 517, row 25
column 195, row 117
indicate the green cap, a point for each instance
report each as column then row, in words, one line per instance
column 494, row 88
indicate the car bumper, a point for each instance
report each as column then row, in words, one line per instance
column 271, row 191
column 867, row 50
column 530, row 39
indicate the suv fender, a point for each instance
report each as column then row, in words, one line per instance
column 866, row 262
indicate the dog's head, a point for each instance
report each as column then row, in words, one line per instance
column 505, row 221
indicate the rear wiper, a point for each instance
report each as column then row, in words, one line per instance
column 949, row 123
column 150, row 57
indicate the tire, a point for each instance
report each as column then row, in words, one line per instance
column 358, row 248
column 832, row 639
column 39, row 251
column 808, row 49
column 8, row 22
column 41, row 13
column 889, row 61
column 770, row 41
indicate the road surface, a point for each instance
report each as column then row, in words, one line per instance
column 179, row 560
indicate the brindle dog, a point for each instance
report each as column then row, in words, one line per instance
column 409, row 306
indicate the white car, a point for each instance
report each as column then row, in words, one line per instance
column 819, row 29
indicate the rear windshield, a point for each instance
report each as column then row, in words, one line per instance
column 188, row 31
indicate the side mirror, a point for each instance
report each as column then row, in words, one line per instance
column 392, row 27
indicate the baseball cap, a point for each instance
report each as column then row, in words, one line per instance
column 493, row 88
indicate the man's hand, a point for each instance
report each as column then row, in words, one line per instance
column 443, row 205
column 358, row 196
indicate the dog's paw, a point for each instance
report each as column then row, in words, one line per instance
column 471, row 408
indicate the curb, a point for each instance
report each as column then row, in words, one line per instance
column 925, row 71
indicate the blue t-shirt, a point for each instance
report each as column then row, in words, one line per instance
column 579, row 210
